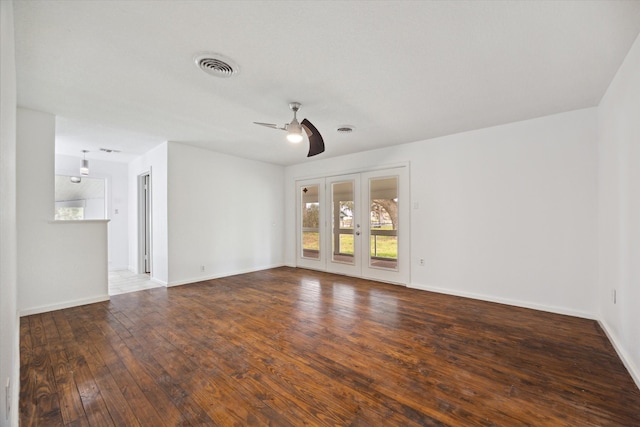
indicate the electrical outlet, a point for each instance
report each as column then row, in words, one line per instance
column 614, row 296
column 421, row 262
column 202, row 269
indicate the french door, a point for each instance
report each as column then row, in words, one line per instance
column 356, row 224
column 310, row 223
column 344, row 230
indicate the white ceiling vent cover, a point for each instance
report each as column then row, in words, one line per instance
column 216, row 64
column 345, row 128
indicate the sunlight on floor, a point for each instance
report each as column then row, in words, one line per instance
column 124, row 281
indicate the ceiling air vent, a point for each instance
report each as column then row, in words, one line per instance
column 216, row 64
column 345, row 129
column 109, row 150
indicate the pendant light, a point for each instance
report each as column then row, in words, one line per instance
column 84, row 166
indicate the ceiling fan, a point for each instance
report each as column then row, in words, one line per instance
column 294, row 129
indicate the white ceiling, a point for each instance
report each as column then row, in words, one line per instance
column 121, row 74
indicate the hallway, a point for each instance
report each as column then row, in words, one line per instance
column 124, row 281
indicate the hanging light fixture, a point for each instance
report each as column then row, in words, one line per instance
column 84, row 166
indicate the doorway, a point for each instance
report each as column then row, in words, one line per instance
column 356, row 224
column 144, row 223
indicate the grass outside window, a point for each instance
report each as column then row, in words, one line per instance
column 381, row 246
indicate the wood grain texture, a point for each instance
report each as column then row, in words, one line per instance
column 290, row 347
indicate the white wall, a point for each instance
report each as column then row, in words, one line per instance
column 619, row 210
column 94, row 209
column 505, row 214
column 60, row 263
column 9, row 324
column 225, row 213
column 117, row 188
column 155, row 162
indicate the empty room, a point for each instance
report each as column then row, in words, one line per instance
column 375, row 213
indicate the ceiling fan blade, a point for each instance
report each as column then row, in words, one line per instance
column 316, row 143
column 270, row 125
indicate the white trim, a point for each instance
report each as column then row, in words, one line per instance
column 506, row 301
column 372, row 168
column 158, row 281
column 141, row 221
column 218, row 276
column 627, row 361
column 77, row 221
column 60, row 306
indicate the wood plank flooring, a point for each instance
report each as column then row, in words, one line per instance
column 291, row 347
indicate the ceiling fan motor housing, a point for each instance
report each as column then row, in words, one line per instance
column 295, row 106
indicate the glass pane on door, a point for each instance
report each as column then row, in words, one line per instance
column 383, row 222
column 342, row 222
column 310, row 211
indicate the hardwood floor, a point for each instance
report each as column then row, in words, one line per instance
column 295, row 347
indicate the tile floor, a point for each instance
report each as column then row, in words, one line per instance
column 124, row 281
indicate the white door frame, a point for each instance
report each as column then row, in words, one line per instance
column 145, row 224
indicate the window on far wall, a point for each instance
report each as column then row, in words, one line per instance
column 66, row 213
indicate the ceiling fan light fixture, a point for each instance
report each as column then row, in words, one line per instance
column 294, row 137
column 295, row 128
column 294, row 131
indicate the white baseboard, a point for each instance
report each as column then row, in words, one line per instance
column 60, row 306
column 634, row 371
column 225, row 274
column 516, row 303
column 158, row 281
